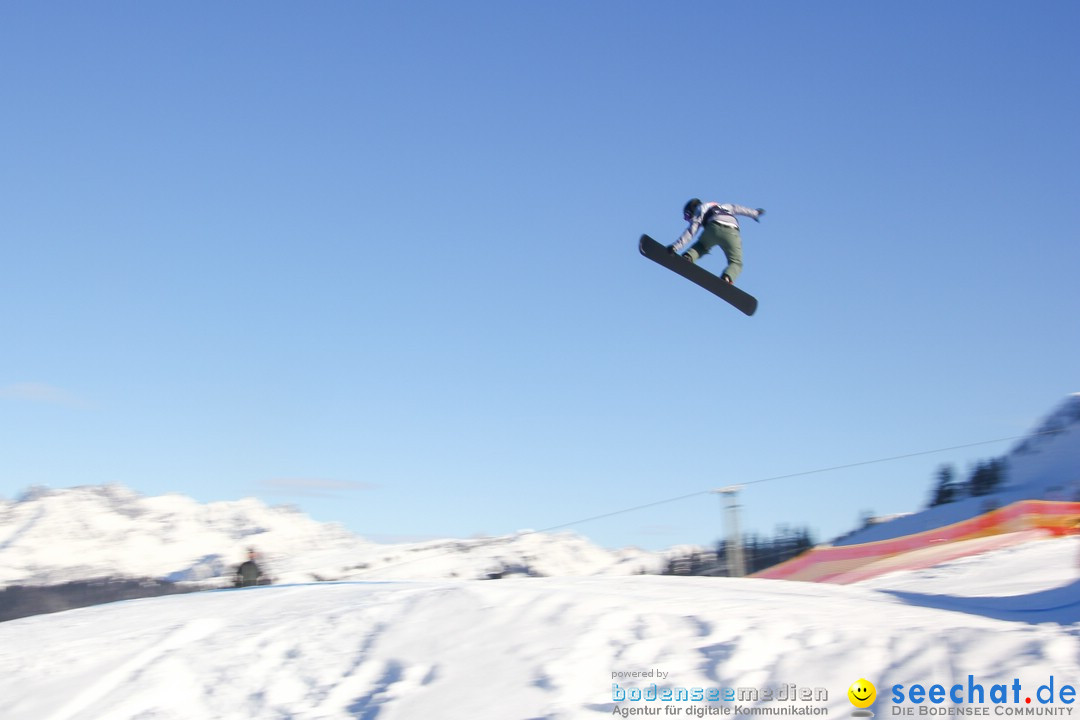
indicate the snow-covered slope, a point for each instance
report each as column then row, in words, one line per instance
column 1047, row 464
column 1044, row 466
column 549, row 647
column 50, row 536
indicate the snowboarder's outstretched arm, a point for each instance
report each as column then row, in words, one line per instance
column 754, row 213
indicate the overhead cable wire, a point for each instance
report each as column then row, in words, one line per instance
column 667, row 501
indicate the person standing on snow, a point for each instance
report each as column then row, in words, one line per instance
column 249, row 573
column 721, row 228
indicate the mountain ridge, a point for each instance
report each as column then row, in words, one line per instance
column 52, row 536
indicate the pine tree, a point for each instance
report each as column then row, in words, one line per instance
column 987, row 478
column 946, row 490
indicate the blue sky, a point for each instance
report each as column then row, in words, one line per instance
column 379, row 259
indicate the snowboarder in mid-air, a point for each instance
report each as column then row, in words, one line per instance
column 719, row 227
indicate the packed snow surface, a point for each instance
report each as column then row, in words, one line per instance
column 409, row 632
column 548, row 647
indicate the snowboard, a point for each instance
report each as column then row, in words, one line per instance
column 658, row 253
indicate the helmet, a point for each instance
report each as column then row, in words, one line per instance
column 690, row 208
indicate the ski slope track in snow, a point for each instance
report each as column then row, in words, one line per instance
column 543, row 647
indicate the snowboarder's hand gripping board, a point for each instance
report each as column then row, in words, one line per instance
column 726, row 291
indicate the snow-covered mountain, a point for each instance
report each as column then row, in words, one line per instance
column 1043, row 466
column 52, row 536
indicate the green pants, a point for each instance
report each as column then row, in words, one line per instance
column 729, row 241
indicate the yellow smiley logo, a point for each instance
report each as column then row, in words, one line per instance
column 862, row 693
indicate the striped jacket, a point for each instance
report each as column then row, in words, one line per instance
column 712, row 212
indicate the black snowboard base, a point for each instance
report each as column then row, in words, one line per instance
column 658, row 253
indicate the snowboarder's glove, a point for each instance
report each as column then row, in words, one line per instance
column 760, row 212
